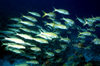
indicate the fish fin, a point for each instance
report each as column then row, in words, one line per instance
column 54, row 9
column 45, row 14
column 77, row 17
column 28, row 12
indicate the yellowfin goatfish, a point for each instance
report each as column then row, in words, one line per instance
column 96, row 41
column 22, row 64
column 50, row 14
column 50, row 54
column 27, row 23
column 15, row 19
column 97, row 25
column 68, row 21
column 32, row 62
column 82, row 36
column 91, row 29
column 59, row 26
column 35, row 49
column 16, row 46
column 49, row 34
column 15, row 25
column 18, row 51
column 10, row 43
column 16, row 40
column 50, row 24
column 7, row 32
column 40, row 40
column 97, row 18
column 25, row 29
column 57, row 50
column 28, row 30
column 63, row 46
column 87, row 23
column 44, row 37
column 90, row 19
column 65, row 40
column 14, row 29
column 30, row 18
column 85, row 33
column 35, row 14
column 80, row 20
column 62, row 11
column 25, row 36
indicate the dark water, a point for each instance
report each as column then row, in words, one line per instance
column 15, row 8
column 76, row 7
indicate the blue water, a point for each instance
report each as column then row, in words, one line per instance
column 15, row 8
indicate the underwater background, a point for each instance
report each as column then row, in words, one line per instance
column 77, row 8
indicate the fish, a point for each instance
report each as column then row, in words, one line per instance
column 67, row 40
column 90, row 20
column 16, row 40
column 29, row 30
column 51, row 18
column 25, row 36
column 25, row 29
column 30, row 18
column 35, row 14
column 23, row 44
column 85, row 33
column 57, row 50
column 82, row 36
column 61, row 11
column 37, row 49
column 40, row 40
column 68, row 21
column 7, row 32
column 50, row 24
column 57, row 26
column 50, row 14
column 80, row 20
column 15, row 19
column 49, row 34
column 88, row 23
column 29, row 56
column 15, row 25
column 50, row 54
column 27, row 23
column 16, row 46
column 60, row 26
column 21, row 64
column 97, row 25
column 32, row 62
column 97, row 18
column 44, row 37
column 91, row 29
column 88, row 64
column 14, row 29
column 79, row 45
column 96, row 41
column 17, row 51
column 63, row 46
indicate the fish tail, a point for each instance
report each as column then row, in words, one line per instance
column 54, row 9
column 44, row 14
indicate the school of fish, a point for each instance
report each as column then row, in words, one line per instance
column 45, row 39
